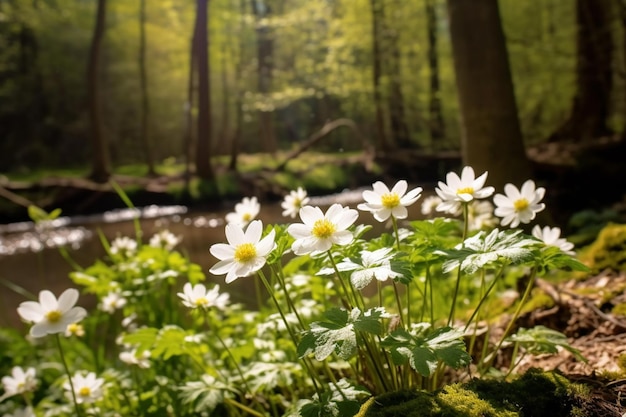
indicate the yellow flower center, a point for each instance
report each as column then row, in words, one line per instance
column 53, row 316
column 84, row 392
column 466, row 190
column 74, row 328
column 390, row 200
column 323, row 229
column 247, row 217
column 201, row 301
column 245, row 252
column 297, row 202
column 521, row 204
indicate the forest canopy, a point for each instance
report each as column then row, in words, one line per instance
column 277, row 71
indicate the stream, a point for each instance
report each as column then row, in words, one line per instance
column 30, row 260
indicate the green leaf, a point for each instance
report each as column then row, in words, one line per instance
column 338, row 335
column 143, row 338
column 540, row 339
column 425, row 348
column 483, row 249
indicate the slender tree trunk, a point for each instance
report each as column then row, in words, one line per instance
column 436, row 124
column 491, row 134
column 188, row 139
column 204, row 168
column 397, row 113
column 101, row 165
column 265, row 56
column 594, row 75
column 143, row 78
column 381, row 138
column 236, row 139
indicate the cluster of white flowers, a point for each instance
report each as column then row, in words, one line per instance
column 19, row 382
column 123, row 246
column 246, row 253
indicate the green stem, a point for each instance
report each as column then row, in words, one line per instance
column 458, row 275
column 69, row 375
column 518, row 310
column 289, row 329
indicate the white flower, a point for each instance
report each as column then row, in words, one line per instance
column 457, row 190
column 131, row 358
column 294, row 201
column 74, row 329
column 384, row 203
column 429, row 205
column 551, row 236
column 245, row 252
column 245, row 212
column 318, row 231
column 519, row 205
column 374, row 264
column 23, row 412
column 112, row 301
column 124, row 246
column 198, row 296
column 165, row 240
column 19, row 382
column 50, row 315
column 88, row 388
column 480, row 215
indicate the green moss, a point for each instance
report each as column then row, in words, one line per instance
column 536, row 394
column 608, row 251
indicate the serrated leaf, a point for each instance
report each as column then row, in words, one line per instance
column 143, row 338
column 540, row 339
column 425, row 348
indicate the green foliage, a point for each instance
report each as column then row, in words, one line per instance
column 540, row 339
column 425, row 349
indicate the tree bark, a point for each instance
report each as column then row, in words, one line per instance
column 594, row 58
column 188, row 139
column 436, row 124
column 204, row 168
column 381, row 137
column 491, row 135
column 143, row 80
column 397, row 114
column 265, row 52
column 101, row 165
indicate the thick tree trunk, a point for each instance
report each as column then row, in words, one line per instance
column 594, row 42
column 101, row 165
column 491, row 135
column 236, row 139
column 203, row 145
column 265, row 52
column 143, row 81
column 436, row 124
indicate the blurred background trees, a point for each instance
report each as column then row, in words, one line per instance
column 190, row 80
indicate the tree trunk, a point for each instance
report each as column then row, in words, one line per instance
column 143, row 78
column 204, row 168
column 234, row 146
column 192, row 87
column 265, row 51
column 594, row 57
column 397, row 113
column 381, row 137
column 491, row 135
column 101, row 165
column 436, row 124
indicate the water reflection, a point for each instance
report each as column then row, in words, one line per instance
column 29, row 255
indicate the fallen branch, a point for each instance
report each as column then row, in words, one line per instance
column 324, row 131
